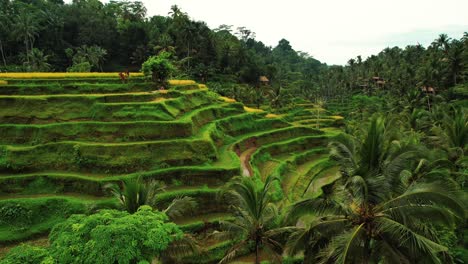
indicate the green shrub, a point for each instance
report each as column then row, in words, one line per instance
column 26, row 254
column 107, row 237
column 80, row 67
column 158, row 68
column 23, row 217
column 23, row 212
column 112, row 236
column 15, row 214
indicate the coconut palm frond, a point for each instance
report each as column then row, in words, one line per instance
column 416, row 243
column 298, row 240
column 344, row 248
column 430, row 194
column 389, row 254
column 234, row 252
column 183, row 247
column 180, row 206
column 318, row 206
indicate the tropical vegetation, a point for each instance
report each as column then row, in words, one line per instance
column 126, row 138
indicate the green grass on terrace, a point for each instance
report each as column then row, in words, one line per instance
column 75, row 88
column 105, row 157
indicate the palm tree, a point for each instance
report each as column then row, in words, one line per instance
column 135, row 193
column 4, row 34
column 376, row 212
column 442, row 42
column 451, row 130
column 26, row 29
column 319, row 103
column 180, row 248
column 255, row 220
column 176, row 12
column 92, row 54
column 36, row 60
column 455, row 59
column 96, row 56
column 260, row 93
column 281, row 97
column 376, row 154
column 456, row 127
column 451, row 135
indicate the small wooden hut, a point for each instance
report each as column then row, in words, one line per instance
column 263, row 80
column 428, row 90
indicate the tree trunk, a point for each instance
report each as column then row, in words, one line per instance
column 31, row 41
column 3, row 54
column 188, row 55
column 318, row 117
column 366, row 251
column 428, row 103
column 307, row 255
column 27, row 52
column 257, row 257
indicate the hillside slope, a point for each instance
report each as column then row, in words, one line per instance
column 63, row 139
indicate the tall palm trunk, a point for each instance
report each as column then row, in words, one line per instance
column 257, row 257
column 188, row 55
column 27, row 49
column 428, row 103
column 307, row 255
column 257, row 246
column 3, row 53
column 318, row 118
column 367, row 251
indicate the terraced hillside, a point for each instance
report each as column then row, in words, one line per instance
column 63, row 139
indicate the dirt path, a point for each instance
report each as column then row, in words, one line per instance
column 244, row 160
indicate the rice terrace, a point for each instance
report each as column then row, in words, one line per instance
column 130, row 138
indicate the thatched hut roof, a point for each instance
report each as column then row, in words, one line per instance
column 428, row 89
column 263, row 79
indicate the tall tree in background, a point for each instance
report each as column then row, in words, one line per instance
column 25, row 28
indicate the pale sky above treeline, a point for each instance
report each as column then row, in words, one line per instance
column 332, row 31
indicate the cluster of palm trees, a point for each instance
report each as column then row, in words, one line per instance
column 393, row 198
column 388, row 207
column 443, row 64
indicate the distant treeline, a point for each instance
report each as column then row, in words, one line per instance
column 87, row 35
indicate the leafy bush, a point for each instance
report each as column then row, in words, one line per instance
column 21, row 218
column 80, row 67
column 26, row 254
column 112, row 236
column 109, row 236
column 15, row 214
column 20, row 212
column 159, row 68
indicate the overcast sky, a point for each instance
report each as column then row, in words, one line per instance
column 332, row 31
